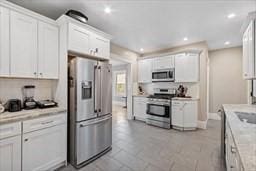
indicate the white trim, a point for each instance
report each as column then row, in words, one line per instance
column 214, row 116
column 202, row 124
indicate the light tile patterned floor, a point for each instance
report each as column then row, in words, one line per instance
column 140, row 147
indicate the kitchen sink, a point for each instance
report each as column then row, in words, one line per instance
column 246, row 117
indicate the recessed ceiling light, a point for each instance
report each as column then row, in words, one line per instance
column 141, row 49
column 227, row 43
column 232, row 15
column 185, row 39
column 108, row 10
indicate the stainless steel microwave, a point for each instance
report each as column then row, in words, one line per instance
column 166, row 75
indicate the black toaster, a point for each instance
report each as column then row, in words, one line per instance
column 14, row 105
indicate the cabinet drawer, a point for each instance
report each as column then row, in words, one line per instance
column 45, row 122
column 9, row 130
column 140, row 99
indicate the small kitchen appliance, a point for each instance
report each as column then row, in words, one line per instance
column 181, row 91
column 46, row 104
column 28, row 93
column 159, row 108
column 163, row 75
column 14, row 105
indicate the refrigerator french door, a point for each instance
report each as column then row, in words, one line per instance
column 90, row 108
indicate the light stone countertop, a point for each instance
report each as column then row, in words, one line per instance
column 9, row 117
column 140, row 95
column 185, row 98
column 244, row 134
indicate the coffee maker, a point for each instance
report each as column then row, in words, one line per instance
column 28, row 93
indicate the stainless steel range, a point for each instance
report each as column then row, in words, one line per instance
column 159, row 108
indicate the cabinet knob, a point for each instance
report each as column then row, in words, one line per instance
column 96, row 50
column 41, row 74
column 34, row 73
column 26, row 139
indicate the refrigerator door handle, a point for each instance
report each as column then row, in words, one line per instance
column 95, row 122
column 99, row 89
column 95, row 88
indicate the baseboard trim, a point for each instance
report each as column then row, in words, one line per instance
column 214, row 116
column 202, row 124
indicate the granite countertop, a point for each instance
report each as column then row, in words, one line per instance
column 8, row 117
column 140, row 95
column 185, row 98
column 244, row 134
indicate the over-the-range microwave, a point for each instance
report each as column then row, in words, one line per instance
column 163, row 75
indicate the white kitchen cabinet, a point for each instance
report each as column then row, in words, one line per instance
column 23, row 37
column 86, row 42
column 145, row 71
column 161, row 63
column 232, row 158
column 184, row 114
column 249, row 46
column 10, row 147
column 187, row 67
column 79, row 39
column 140, row 108
column 48, row 47
column 44, row 149
column 10, row 154
column 100, row 46
column 4, row 42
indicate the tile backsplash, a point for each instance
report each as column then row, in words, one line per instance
column 12, row 88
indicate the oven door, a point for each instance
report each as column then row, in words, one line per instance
column 163, row 75
column 158, row 109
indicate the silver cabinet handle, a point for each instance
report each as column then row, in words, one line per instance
column 43, row 123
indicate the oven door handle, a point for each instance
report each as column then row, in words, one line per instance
column 158, row 104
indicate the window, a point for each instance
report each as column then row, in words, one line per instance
column 120, row 84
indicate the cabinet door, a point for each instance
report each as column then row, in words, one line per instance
column 44, row 149
column 165, row 62
column 100, row 46
column 48, row 59
column 23, row 45
column 187, row 68
column 10, row 154
column 177, row 113
column 190, row 111
column 140, row 108
column 4, row 42
column 248, row 52
column 145, row 71
column 79, row 39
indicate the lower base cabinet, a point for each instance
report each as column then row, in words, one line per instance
column 184, row 114
column 10, row 154
column 44, row 148
column 140, row 108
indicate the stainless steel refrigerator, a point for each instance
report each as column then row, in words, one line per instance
column 90, row 108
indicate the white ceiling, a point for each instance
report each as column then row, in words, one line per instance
column 154, row 25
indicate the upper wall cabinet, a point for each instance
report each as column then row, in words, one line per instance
column 145, row 71
column 187, row 67
column 79, row 39
column 162, row 63
column 23, row 34
column 249, row 57
column 84, row 41
column 48, row 47
column 4, row 42
column 29, row 44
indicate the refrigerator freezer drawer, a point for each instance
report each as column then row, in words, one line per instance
column 93, row 137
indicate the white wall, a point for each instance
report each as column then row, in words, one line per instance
column 226, row 83
column 11, row 88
